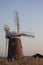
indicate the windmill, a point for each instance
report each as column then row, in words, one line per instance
column 14, row 45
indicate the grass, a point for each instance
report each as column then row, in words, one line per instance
column 25, row 61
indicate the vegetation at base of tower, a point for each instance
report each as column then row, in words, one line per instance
column 24, row 61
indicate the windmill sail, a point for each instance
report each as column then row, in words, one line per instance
column 17, row 21
column 27, row 34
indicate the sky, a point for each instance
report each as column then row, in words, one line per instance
column 31, row 20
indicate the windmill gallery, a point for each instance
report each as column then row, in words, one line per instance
column 14, row 44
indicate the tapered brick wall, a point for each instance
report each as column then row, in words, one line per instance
column 15, row 48
column 18, row 48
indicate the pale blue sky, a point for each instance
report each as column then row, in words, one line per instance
column 31, row 20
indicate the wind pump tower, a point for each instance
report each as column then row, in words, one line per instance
column 14, row 44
